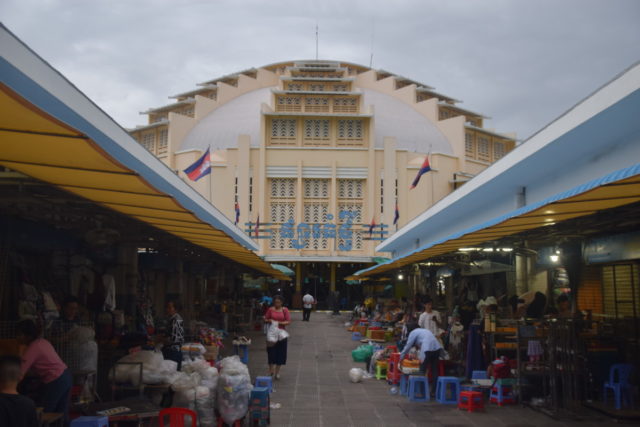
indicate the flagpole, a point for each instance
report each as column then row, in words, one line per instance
column 211, row 183
column 428, row 155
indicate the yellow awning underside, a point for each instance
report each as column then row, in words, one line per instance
column 607, row 196
column 35, row 144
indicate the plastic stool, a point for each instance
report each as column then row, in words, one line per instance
column 356, row 336
column 479, row 375
column 381, row 370
column 90, row 422
column 177, row 417
column 259, row 412
column 417, row 393
column 393, row 348
column 470, row 400
column 236, row 423
column 264, row 382
column 502, row 394
column 242, row 350
column 441, row 390
column 404, row 385
column 393, row 371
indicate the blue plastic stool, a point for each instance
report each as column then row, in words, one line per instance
column 404, row 385
column 418, row 389
column 242, row 350
column 90, row 422
column 479, row 375
column 259, row 412
column 619, row 382
column 356, row 336
column 265, row 382
column 441, row 390
column 502, row 392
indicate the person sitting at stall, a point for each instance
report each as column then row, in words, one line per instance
column 69, row 319
column 41, row 359
column 535, row 310
column 172, row 334
column 430, row 319
column 429, row 349
column 564, row 307
column 15, row 410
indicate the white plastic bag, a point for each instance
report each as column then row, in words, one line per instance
column 273, row 332
column 233, row 366
column 356, row 375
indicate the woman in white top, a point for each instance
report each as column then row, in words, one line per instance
column 430, row 319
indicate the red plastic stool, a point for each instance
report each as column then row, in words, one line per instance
column 471, row 400
column 393, row 369
column 393, row 348
column 176, row 417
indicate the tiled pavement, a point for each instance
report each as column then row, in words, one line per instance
column 315, row 389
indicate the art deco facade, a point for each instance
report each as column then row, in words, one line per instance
column 318, row 150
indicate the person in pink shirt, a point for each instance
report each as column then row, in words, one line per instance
column 41, row 359
column 277, row 354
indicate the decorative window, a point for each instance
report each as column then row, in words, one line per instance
column 498, row 150
column 483, row 149
column 350, row 129
column 278, row 242
column 148, row 141
column 345, row 105
column 468, row 145
column 288, row 103
column 283, row 129
column 340, row 88
column 163, row 141
column 316, row 87
column 350, row 188
column 283, row 188
column 354, row 207
column 282, row 211
column 294, row 86
column 316, row 130
column 318, row 105
column 444, row 114
column 356, row 240
column 316, row 188
column 315, row 212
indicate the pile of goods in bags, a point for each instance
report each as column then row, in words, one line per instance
column 234, row 389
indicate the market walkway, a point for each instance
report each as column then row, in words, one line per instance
column 315, row 389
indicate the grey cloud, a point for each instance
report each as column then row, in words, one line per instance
column 522, row 63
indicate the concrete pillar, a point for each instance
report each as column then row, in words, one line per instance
column 298, row 277
column 332, row 282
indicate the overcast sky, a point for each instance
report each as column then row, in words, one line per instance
column 521, row 62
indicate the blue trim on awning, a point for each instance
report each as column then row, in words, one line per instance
column 31, row 91
column 618, row 175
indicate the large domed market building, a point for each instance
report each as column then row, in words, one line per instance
column 314, row 159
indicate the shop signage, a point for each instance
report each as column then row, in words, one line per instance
column 299, row 234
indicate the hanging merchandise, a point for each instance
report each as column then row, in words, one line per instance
column 109, row 284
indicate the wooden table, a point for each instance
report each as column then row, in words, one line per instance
column 141, row 411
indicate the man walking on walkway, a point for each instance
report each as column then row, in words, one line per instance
column 307, row 304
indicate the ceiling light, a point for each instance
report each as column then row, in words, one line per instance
column 506, row 249
column 487, row 250
column 554, row 258
column 400, row 276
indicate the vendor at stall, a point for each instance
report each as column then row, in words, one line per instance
column 69, row 320
column 430, row 319
column 41, row 359
column 429, row 349
column 172, row 333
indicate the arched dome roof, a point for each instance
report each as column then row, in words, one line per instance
column 220, row 129
column 392, row 117
column 413, row 131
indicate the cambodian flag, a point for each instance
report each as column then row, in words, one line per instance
column 200, row 168
column 423, row 169
column 372, row 226
column 396, row 215
column 237, row 207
